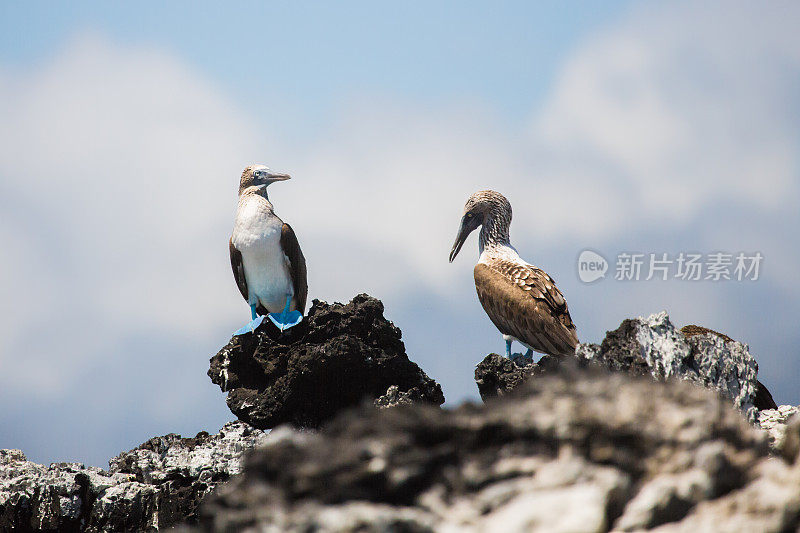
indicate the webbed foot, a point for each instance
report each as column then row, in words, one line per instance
column 521, row 359
column 250, row 327
column 286, row 320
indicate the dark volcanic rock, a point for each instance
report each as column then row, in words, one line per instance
column 158, row 484
column 763, row 399
column 337, row 357
column 497, row 375
column 651, row 346
column 570, row 451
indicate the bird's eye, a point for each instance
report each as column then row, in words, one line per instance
column 469, row 215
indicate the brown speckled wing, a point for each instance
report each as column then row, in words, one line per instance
column 238, row 269
column 524, row 302
column 297, row 266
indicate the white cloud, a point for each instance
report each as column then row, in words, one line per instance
column 689, row 105
column 662, row 116
column 117, row 168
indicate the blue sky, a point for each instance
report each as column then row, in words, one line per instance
column 315, row 55
column 616, row 126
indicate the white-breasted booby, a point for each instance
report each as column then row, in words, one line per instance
column 520, row 299
column 267, row 262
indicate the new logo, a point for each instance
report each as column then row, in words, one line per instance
column 591, row 266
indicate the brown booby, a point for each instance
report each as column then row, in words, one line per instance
column 520, row 299
column 267, row 262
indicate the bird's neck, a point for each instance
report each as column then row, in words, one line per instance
column 259, row 195
column 494, row 232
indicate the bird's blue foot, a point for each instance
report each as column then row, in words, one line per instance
column 521, row 359
column 250, row 327
column 286, row 320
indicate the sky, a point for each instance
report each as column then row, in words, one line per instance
column 617, row 127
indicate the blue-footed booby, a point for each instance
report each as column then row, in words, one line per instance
column 520, row 299
column 267, row 262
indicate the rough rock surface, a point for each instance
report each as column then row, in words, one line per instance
column 394, row 397
column 158, row 484
column 775, row 421
column 762, row 399
column 497, row 375
column 337, row 357
column 577, row 449
column 572, row 451
column 649, row 346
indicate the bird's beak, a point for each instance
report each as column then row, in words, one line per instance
column 265, row 177
column 467, row 227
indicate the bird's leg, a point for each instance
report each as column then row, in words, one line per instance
column 508, row 349
column 529, row 354
column 286, row 319
column 251, row 326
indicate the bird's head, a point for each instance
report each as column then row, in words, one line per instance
column 259, row 176
column 479, row 209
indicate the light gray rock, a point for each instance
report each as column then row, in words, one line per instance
column 663, row 347
column 770, row 502
column 204, row 457
column 653, row 345
column 55, row 497
column 774, row 422
column 725, row 366
column 394, row 397
column 159, row 484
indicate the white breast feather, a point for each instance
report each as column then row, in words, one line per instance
column 257, row 235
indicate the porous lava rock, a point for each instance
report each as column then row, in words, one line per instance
column 159, row 484
column 497, row 375
column 573, row 450
column 650, row 346
column 339, row 356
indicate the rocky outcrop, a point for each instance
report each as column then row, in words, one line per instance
column 650, row 346
column 571, row 451
column 578, row 448
column 158, row 484
column 336, row 358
